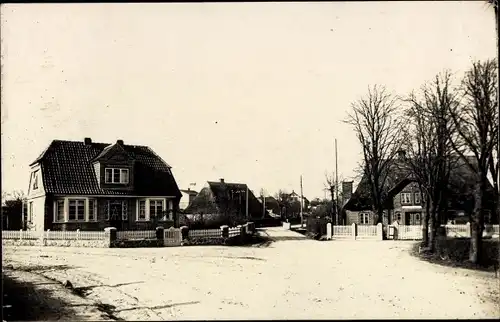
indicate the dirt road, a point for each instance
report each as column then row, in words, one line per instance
column 292, row 278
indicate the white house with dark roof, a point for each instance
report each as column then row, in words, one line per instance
column 90, row 186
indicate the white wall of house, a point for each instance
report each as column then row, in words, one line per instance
column 36, row 200
column 184, row 202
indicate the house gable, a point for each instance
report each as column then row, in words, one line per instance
column 36, row 187
column 111, row 161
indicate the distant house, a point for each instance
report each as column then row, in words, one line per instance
column 272, row 206
column 90, row 186
column 187, row 197
column 403, row 199
column 224, row 203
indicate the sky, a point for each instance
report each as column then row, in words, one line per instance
column 250, row 92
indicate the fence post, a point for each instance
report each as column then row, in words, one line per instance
column 250, row 228
column 160, row 234
column 379, row 232
column 46, row 237
column 185, row 232
column 468, row 229
column 354, row 230
column 20, row 234
column 225, row 231
column 78, row 234
column 110, row 234
column 329, row 232
column 243, row 232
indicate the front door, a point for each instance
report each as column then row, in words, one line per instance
column 115, row 214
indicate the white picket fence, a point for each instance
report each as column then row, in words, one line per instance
column 172, row 237
column 414, row 232
column 457, row 230
column 136, row 234
column 409, row 232
column 74, row 235
column 366, row 232
column 342, row 231
column 205, row 233
column 20, row 234
column 53, row 235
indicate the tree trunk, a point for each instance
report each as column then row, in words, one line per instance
column 425, row 225
column 432, row 227
column 477, row 221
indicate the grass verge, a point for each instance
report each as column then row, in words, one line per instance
column 454, row 252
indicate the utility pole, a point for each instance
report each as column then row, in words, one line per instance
column 301, row 204
column 336, row 186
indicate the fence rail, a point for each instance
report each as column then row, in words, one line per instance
column 136, row 234
column 234, row 231
column 205, row 233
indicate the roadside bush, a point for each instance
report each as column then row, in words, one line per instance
column 455, row 251
column 122, row 243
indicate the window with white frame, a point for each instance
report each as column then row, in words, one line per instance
column 168, row 214
column 116, row 175
column 417, row 198
column 92, row 210
column 59, row 210
column 406, row 198
column 35, row 180
column 150, row 208
column 364, row 219
column 76, row 209
column 156, row 208
column 141, row 215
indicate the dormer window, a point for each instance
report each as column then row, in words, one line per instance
column 116, row 175
column 35, row 180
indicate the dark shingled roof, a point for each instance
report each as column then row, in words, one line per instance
column 67, row 169
column 462, row 180
column 205, row 203
column 190, row 192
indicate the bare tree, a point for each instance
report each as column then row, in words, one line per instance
column 333, row 185
column 475, row 119
column 283, row 201
column 430, row 151
column 379, row 131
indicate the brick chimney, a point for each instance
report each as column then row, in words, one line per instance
column 346, row 191
column 87, row 141
column 221, row 180
column 119, row 142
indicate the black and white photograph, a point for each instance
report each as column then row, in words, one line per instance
column 250, row 160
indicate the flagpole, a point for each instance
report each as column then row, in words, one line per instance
column 336, row 186
column 246, row 201
column 301, row 204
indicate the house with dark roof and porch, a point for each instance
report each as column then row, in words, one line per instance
column 403, row 200
column 224, row 203
column 90, row 186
